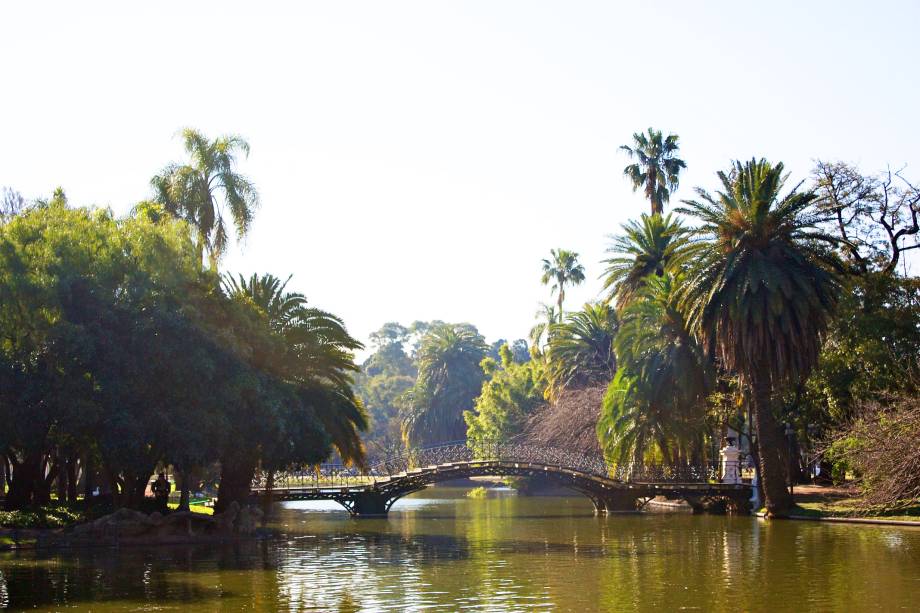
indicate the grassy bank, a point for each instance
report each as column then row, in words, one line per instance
column 827, row 501
column 62, row 516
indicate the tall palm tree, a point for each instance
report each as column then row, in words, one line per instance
column 561, row 269
column 663, row 379
column 654, row 246
column 449, row 379
column 208, row 190
column 317, row 358
column 581, row 348
column 760, row 294
column 657, row 167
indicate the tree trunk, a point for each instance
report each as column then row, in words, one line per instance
column 61, row 480
column 88, row 480
column 184, row 475
column 235, row 483
column 26, row 475
column 47, row 474
column 71, row 470
column 2, row 476
column 770, row 447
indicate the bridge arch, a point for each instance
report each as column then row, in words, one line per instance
column 371, row 493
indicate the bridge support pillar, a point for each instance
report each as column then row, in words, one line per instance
column 616, row 502
column 370, row 504
column 733, row 503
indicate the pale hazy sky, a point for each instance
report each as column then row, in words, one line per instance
column 417, row 160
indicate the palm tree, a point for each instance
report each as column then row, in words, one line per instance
column 208, row 189
column 663, row 380
column 760, row 295
column 318, row 357
column 654, row 246
column 539, row 333
column 562, row 269
column 630, row 426
column 449, row 379
column 657, row 166
column 581, row 349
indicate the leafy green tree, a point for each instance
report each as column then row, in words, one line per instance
column 761, row 294
column 871, row 352
column 208, row 190
column 511, row 393
column 656, row 169
column 390, row 334
column 449, row 379
column 652, row 247
column 385, row 376
column 561, row 269
column 581, row 349
column 78, row 286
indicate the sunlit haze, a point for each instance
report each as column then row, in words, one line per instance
column 417, row 160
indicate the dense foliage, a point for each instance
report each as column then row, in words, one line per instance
column 511, row 393
column 120, row 353
column 449, row 378
column 581, row 348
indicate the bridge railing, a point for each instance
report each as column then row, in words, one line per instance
column 337, row 475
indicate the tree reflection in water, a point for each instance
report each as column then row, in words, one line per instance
column 441, row 551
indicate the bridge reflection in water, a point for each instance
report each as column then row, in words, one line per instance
column 371, row 492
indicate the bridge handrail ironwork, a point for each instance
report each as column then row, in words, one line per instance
column 338, row 475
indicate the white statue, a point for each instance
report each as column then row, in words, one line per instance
column 731, row 463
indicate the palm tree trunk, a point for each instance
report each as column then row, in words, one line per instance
column 561, row 298
column 651, row 190
column 770, row 447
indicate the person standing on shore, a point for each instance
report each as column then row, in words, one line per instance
column 161, row 488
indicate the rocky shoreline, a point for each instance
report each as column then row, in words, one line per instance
column 130, row 527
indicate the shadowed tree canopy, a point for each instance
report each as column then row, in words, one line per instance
column 317, row 358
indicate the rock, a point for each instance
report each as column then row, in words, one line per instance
column 127, row 525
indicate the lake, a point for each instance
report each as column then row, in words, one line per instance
column 440, row 550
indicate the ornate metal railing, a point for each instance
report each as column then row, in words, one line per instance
column 337, row 475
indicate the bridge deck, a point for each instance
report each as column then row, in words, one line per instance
column 418, row 478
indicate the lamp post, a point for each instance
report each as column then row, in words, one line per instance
column 790, row 432
column 813, row 431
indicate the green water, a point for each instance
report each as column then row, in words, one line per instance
column 441, row 551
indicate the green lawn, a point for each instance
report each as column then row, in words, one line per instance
column 196, row 508
column 815, row 501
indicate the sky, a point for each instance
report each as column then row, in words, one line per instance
column 418, row 160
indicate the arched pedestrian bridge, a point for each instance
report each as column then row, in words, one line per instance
column 371, row 492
